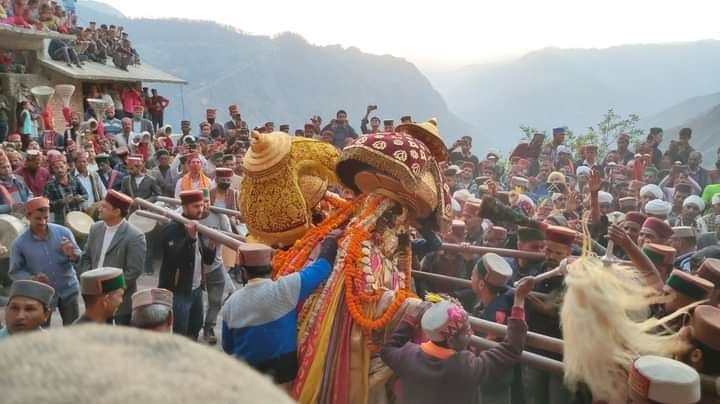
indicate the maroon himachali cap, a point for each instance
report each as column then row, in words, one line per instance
column 192, row 196
column 659, row 227
column 118, row 200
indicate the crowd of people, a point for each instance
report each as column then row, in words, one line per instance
column 105, row 108
column 659, row 210
column 93, row 43
column 41, row 15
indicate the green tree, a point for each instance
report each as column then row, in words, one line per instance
column 529, row 131
column 606, row 132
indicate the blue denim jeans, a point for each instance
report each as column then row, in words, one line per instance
column 188, row 311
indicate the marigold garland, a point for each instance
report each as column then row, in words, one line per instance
column 293, row 259
column 355, row 295
column 358, row 231
column 336, row 201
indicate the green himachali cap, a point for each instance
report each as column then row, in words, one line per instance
column 101, row 281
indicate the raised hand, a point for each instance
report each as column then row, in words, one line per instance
column 595, row 181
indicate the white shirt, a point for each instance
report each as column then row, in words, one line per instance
column 137, row 125
column 197, row 268
column 138, row 179
column 109, row 234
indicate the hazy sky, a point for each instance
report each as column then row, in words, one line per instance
column 451, row 32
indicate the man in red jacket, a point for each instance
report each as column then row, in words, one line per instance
column 157, row 106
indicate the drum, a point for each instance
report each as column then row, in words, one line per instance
column 10, row 228
column 229, row 257
column 94, row 210
column 144, row 224
column 79, row 223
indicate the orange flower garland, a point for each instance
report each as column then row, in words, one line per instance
column 292, row 260
column 354, row 294
column 358, row 231
column 336, row 201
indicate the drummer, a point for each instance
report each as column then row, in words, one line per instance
column 13, row 190
column 47, row 253
column 64, row 192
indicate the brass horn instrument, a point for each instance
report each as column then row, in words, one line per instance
column 42, row 95
column 64, row 92
column 98, row 105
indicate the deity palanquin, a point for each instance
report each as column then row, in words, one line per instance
column 397, row 178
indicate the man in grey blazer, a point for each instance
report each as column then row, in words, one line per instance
column 140, row 124
column 139, row 185
column 114, row 242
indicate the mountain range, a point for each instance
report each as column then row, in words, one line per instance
column 285, row 79
column 575, row 87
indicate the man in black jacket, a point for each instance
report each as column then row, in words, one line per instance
column 181, row 270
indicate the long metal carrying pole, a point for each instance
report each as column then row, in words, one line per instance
column 534, row 340
column 209, row 232
column 229, row 212
column 505, row 252
column 165, row 219
column 710, row 384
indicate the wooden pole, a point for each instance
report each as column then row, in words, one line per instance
column 450, row 280
column 209, row 232
column 177, row 202
column 531, row 359
column 505, row 252
column 534, row 339
column 165, row 220
column 710, row 384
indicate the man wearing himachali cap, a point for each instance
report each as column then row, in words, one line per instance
column 655, row 379
column 113, row 242
column 28, row 307
column 267, row 339
column 102, row 291
column 684, row 240
column 47, row 252
column 140, row 124
column 654, row 230
column 494, row 303
column 181, row 271
column 216, row 129
column 442, row 369
column 152, row 310
column 195, row 179
column 544, row 317
column 235, row 123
